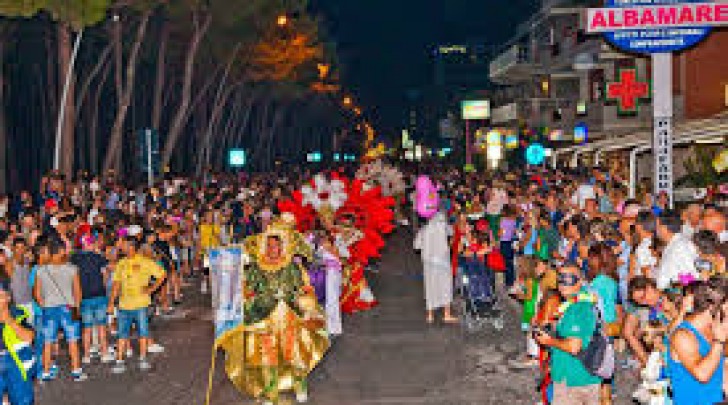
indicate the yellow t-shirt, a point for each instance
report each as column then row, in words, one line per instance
column 209, row 236
column 135, row 275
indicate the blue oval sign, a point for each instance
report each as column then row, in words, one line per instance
column 655, row 40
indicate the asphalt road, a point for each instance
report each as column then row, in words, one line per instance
column 386, row 356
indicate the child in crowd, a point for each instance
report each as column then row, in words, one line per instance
column 531, row 272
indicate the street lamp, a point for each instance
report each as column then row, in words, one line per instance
column 348, row 101
column 282, row 20
column 323, row 70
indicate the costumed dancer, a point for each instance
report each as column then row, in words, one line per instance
column 356, row 216
column 332, row 265
column 282, row 337
column 432, row 241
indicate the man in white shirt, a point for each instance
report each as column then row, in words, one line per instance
column 678, row 257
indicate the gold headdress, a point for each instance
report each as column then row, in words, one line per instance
column 292, row 243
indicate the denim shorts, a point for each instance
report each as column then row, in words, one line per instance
column 93, row 311
column 57, row 318
column 126, row 317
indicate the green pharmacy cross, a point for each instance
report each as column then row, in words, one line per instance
column 628, row 91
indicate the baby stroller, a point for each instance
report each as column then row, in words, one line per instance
column 479, row 302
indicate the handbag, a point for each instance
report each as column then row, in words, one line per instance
column 75, row 311
column 495, row 261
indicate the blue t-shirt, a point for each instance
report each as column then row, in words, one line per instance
column 606, row 288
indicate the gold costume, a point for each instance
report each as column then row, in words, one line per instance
column 283, row 336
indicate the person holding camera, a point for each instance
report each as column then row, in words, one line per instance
column 696, row 353
column 573, row 384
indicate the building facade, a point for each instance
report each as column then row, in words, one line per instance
column 552, row 77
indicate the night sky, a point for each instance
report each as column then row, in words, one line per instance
column 384, row 46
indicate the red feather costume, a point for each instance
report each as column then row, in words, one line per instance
column 365, row 210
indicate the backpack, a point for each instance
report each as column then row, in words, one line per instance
column 598, row 356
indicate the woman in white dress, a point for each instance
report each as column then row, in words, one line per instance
column 432, row 241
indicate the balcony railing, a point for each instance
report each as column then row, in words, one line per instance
column 512, row 65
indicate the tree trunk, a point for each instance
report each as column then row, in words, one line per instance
column 259, row 134
column 113, row 152
column 243, row 127
column 94, row 124
column 68, row 147
column 220, row 100
column 51, row 97
column 118, row 45
column 279, row 116
column 86, row 85
column 159, row 83
column 180, row 119
column 3, row 133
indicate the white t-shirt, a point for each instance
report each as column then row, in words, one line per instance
column 583, row 193
column 643, row 256
column 678, row 258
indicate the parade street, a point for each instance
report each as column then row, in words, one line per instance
column 386, row 356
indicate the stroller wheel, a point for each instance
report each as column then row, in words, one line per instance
column 498, row 323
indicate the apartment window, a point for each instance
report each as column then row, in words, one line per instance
column 596, row 80
column 556, row 115
column 629, row 63
column 545, row 87
column 581, row 108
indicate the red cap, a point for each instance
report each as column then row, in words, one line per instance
column 50, row 203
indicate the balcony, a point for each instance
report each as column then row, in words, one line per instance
column 513, row 66
column 505, row 113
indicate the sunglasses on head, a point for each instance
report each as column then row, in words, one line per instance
column 568, row 279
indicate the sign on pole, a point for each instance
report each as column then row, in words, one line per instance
column 656, row 27
column 148, row 156
column 226, row 276
column 473, row 110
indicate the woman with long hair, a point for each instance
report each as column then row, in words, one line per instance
column 603, row 280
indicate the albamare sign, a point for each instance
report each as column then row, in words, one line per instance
column 655, row 17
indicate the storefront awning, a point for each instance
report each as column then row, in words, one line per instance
column 686, row 132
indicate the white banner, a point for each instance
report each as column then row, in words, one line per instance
column 226, row 277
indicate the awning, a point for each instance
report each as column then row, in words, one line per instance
column 686, row 132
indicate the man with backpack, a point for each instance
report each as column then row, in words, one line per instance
column 570, row 337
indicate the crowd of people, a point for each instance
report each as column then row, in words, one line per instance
column 598, row 273
column 89, row 262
